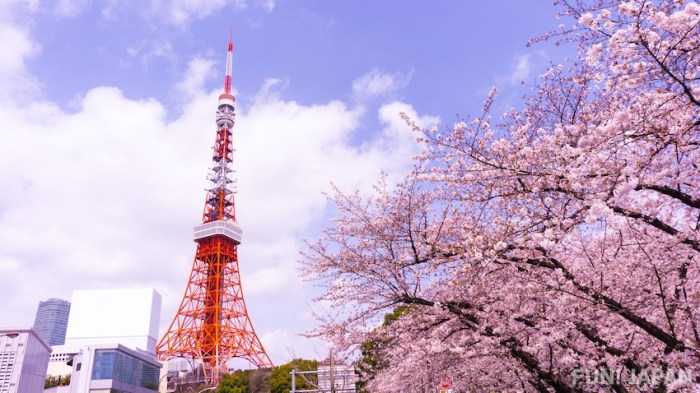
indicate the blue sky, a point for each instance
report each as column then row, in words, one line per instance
column 452, row 51
column 107, row 112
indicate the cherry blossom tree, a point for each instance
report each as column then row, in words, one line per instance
column 563, row 240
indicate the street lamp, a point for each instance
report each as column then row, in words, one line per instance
column 207, row 389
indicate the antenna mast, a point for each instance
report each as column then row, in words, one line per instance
column 229, row 65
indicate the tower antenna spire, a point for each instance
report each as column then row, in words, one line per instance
column 229, row 65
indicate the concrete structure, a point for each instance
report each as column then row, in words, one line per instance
column 105, row 368
column 51, row 320
column 129, row 317
column 24, row 356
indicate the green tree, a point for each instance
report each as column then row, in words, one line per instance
column 281, row 378
column 237, row 382
column 259, row 380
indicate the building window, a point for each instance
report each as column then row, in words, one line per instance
column 104, row 365
column 149, row 378
column 121, row 367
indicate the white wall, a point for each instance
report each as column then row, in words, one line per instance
column 125, row 316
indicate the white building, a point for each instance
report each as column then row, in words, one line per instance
column 23, row 359
column 129, row 317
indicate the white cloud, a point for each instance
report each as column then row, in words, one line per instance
column 10, row 9
column 522, row 69
column 270, row 90
column 268, row 5
column 199, row 70
column 17, row 49
column 148, row 50
column 276, row 271
column 284, row 346
column 377, row 83
column 71, row 8
column 106, row 195
column 178, row 13
column 182, row 12
column 63, row 215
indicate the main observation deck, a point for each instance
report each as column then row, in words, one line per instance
column 229, row 229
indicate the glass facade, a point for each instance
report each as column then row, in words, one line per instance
column 118, row 366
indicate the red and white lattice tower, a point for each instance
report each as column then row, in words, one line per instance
column 212, row 324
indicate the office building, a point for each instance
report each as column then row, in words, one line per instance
column 52, row 320
column 24, row 356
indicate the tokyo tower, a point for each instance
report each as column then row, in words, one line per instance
column 212, row 325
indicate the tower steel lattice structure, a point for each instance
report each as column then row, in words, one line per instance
column 212, row 324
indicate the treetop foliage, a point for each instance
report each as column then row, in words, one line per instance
column 281, row 379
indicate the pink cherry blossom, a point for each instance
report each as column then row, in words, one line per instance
column 562, row 240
